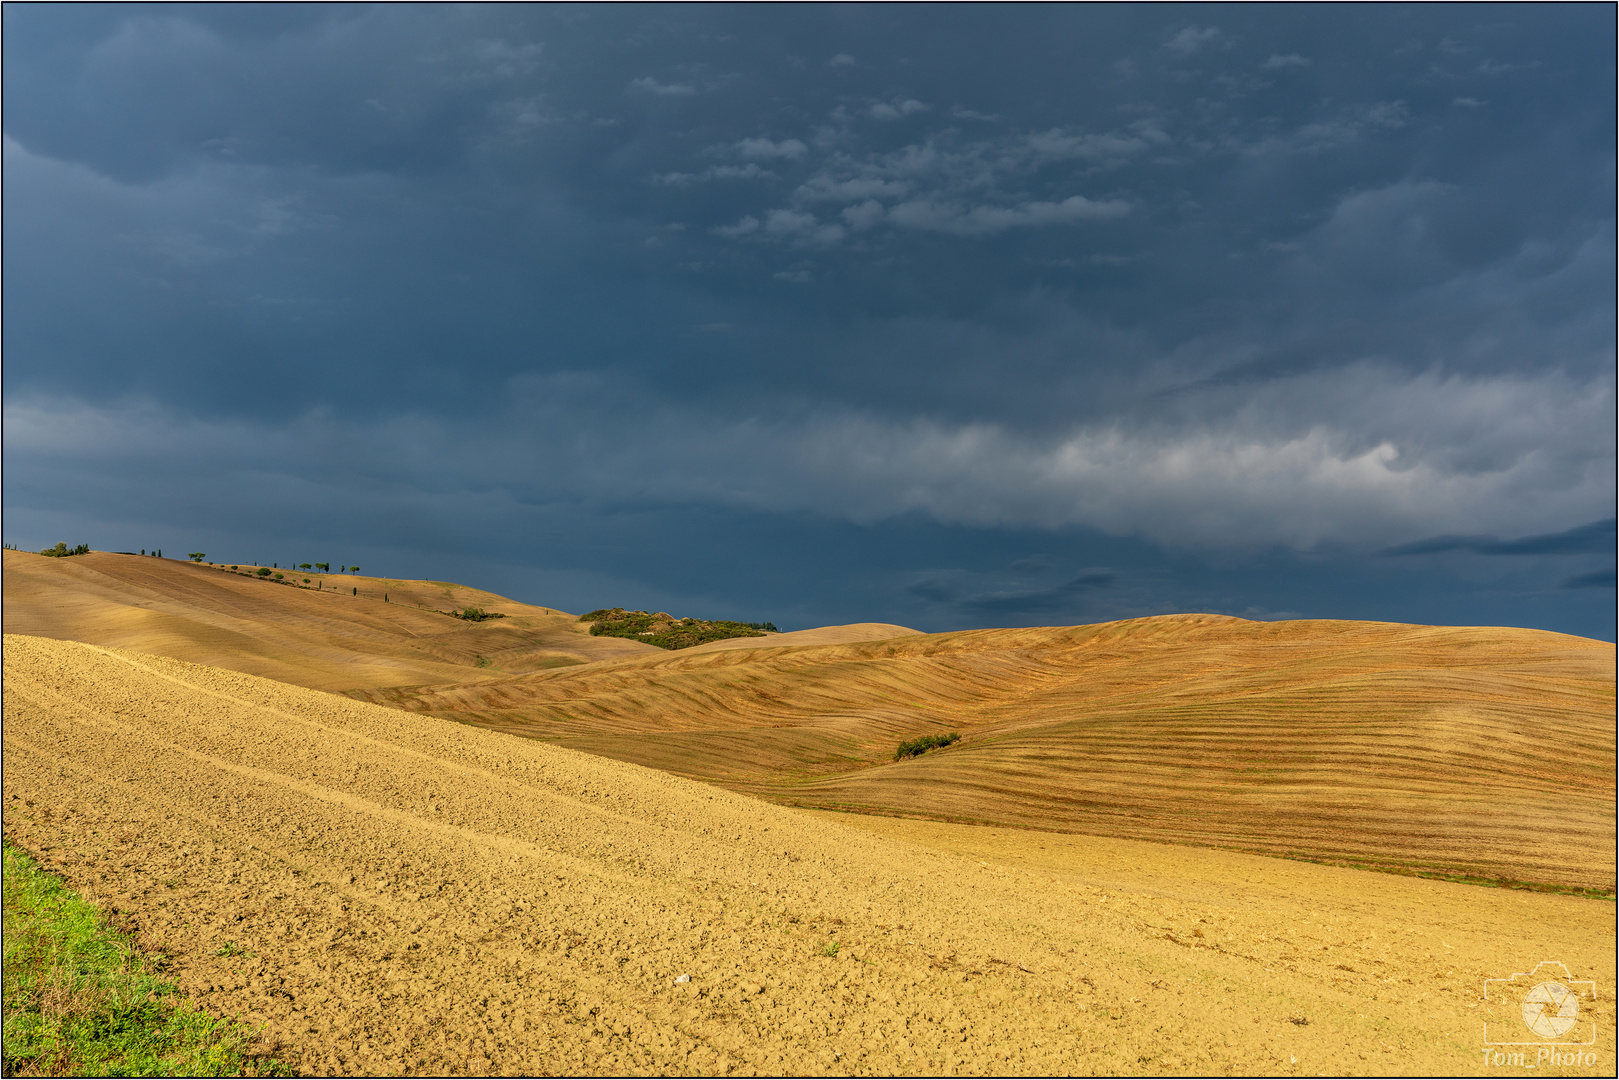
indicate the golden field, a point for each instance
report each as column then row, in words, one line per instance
column 1079, row 885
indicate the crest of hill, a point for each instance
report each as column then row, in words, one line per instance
column 342, row 632
column 340, row 636
column 820, row 635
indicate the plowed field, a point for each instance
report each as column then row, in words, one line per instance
column 393, row 892
column 403, row 889
column 1413, row 748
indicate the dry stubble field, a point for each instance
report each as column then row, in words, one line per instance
column 420, row 895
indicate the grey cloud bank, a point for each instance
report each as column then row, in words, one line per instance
column 841, row 312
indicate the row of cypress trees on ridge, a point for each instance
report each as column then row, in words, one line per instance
column 273, row 574
column 308, row 568
column 62, row 551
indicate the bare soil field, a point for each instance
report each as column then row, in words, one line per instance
column 1410, row 748
column 393, row 892
column 392, row 889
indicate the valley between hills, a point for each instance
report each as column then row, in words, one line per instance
column 458, row 846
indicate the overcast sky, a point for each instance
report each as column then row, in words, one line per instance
column 947, row 316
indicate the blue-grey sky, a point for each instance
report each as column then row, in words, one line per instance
column 950, row 316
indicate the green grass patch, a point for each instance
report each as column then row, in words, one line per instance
column 1436, row 873
column 82, row 1000
column 919, row 746
column 666, row 631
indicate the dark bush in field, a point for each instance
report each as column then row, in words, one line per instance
column 917, row 747
column 477, row 614
column 62, row 551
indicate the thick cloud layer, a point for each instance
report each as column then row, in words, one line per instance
column 1168, row 292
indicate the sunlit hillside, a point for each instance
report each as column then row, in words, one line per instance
column 395, row 894
column 1403, row 747
column 342, row 631
column 1475, row 752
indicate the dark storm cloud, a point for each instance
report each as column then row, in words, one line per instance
column 1022, row 593
column 1058, row 598
column 1598, row 536
column 933, row 591
column 1596, row 579
column 1219, row 281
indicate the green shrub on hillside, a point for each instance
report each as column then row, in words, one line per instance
column 264, row 571
column 664, row 630
column 477, row 614
column 917, row 747
column 62, row 551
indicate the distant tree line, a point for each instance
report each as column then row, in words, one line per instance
column 62, row 551
column 307, row 567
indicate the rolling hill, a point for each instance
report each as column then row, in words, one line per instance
column 1406, row 748
column 342, row 636
column 1418, row 749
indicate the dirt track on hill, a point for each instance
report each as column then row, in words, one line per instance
column 391, row 892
